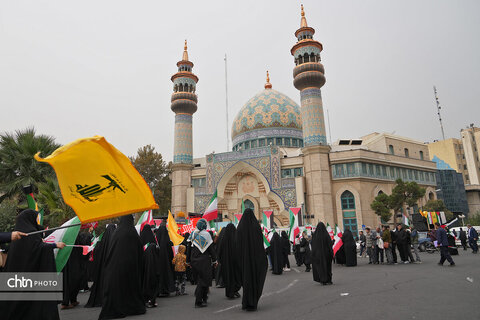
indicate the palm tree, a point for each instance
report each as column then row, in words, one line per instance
column 50, row 198
column 18, row 168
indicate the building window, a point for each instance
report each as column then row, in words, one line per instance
column 198, row 182
column 287, row 173
column 278, row 141
column 370, row 170
column 377, row 170
column 390, row 149
column 421, row 155
column 254, row 144
column 298, row 172
column 287, row 142
column 261, row 142
column 406, row 153
column 364, row 168
column 348, row 210
column 351, row 169
column 301, row 143
column 247, row 145
column 339, row 170
column 295, row 142
column 384, row 171
column 410, row 176
column 392, row 172
column 270, row 142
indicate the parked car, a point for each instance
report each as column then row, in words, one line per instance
column 458, row 243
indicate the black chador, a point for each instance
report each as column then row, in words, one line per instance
column 350, row 248
column 276, row 254
column 229, row 264
column 98, row 269
column 201, row 255
column 74, row 273
column 322, row 255
column 253, row 259
column 151, row 273
column 123, row 273
column 165, row 267
column 29, row 254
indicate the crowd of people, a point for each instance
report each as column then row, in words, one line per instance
column 129, row 271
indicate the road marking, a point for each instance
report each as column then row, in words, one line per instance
column 291, row 284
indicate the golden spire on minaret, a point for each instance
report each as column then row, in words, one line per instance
column 303, row 22
column 268, row 85
column 185, row 53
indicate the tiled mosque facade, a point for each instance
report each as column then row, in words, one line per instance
column 280, row 156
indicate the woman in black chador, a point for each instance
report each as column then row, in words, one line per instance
column 165, row 257
column 229, row 265
column 285, row 251
column 200, row 256
column 99, row 258
column 350, row 248
column 151, row 274
column 276, row 254
column 29, row 254
column 253, row 259
column 123, row 273
column 322, row 255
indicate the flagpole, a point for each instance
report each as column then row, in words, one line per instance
column 52, row 229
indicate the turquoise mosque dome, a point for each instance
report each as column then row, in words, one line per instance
column 269, row 118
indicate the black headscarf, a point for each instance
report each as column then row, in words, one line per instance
column 229, row 263
column 29, row 254
column 276, row 254
column 99, row 258
column 322, row 255
column 151, row 272
column 165, row 267
column 123, row 273
column 350, row 248
column 253, row 260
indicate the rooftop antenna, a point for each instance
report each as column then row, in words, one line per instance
column 226, row 101
column 329, row 129
column 438, row 111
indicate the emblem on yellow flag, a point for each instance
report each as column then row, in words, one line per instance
column 98, row 181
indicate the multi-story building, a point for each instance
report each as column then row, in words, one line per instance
column 462, row 155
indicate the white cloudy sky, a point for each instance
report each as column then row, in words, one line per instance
column 75, row 69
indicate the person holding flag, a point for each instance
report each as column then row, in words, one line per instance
column 305, row 253
column 6, row 237
column 30, row 254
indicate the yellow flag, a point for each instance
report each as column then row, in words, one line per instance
column 98, row 181
column 173, row 230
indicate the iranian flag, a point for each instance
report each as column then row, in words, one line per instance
column 94, row 243
column 146, row 218
column 211, row 213
column 405, row 220
column 338, row 240
column 330, row 231
column 66, row 235
column 294, row 230
column 266, row 218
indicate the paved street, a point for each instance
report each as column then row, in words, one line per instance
column 414, row 291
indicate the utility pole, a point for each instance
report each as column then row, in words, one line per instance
column 226, row 102
column 438, row 111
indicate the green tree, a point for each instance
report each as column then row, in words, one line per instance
column 403, row 194
column 437, row 206
column 50, row 199
column 381, row 206
column 18, row 168
column 8, row 213
column 156, row 172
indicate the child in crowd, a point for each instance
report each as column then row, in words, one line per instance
column 180, row 262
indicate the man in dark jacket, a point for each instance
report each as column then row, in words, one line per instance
column 472, row 238
column 443, row 245
column 463, row 239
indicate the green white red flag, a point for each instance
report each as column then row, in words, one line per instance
column 330, row 231
column 294, row 229
column 66, row 235
column 338, row 243
column 145, row 218
column 211, row 213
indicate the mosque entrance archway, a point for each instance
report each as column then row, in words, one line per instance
column 249, row 205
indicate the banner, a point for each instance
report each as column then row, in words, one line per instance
column 98, row 181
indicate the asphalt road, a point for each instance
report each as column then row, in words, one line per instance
column 413, row 291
